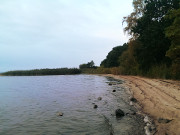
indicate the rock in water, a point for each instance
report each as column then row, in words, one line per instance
column 95, row 106
column 99, row 98
column 119, row 113
column 133, row 113
column 59, row 114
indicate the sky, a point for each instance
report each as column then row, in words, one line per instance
column 59, row 33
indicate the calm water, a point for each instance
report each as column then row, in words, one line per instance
column 29, row 106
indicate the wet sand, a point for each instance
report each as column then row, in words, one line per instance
column 159, row 99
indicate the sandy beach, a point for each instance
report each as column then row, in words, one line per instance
column 159, row 99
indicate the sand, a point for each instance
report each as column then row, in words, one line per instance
column 159, row 99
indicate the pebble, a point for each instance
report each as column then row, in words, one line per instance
column 59, row 114
column 119, row 113
column 95, row 106
column 133, row 99
column 162, row 120
column 146, row 119
column 99, row 98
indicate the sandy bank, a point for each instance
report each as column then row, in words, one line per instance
column 160, row 99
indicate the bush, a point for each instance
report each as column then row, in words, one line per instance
column 159, row 71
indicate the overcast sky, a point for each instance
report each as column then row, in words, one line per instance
column 59, row 33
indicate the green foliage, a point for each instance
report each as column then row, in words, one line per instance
column 175, row 71
column 159, row 71
column 112, row 59
column 102, row 70
column 88, row 65
column 150, row 30
column 173, row 33
column 99, row 70
column 131, row 19
column 115, row 71
column 128, row 63
column 36, row 72
column 154, row 49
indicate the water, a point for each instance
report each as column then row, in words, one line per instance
column 29, row 106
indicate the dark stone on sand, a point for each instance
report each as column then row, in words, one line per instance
column 114, row 91
column 95, row 106
column 119, row 113
column 133, row 99
column 162, row 120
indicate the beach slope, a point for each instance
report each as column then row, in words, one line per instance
column 160, row 99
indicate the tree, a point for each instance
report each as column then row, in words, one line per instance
column 173, row 33
column 128, row 62
column 150, row 30
column 112, row 59
column 88, row 65
column 131, row 19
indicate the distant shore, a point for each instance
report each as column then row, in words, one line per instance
column 159, row 99
column 41, row 72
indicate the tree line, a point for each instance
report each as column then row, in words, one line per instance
column 154, row 47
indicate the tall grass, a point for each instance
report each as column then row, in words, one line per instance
column 159, row 71
column 35, row 72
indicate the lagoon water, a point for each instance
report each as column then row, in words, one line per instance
column 29, row 106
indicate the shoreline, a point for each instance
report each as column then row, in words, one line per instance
column 157, row 98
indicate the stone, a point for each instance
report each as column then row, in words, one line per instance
column 99, row 98
column 119, row 113
column 133, row 99
column 147, row 120
column 114, row 91
column 59, row 114
column 147, row 130
column 150, row 129
column 162, row 120
column 133, row 113
column 95, row 106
